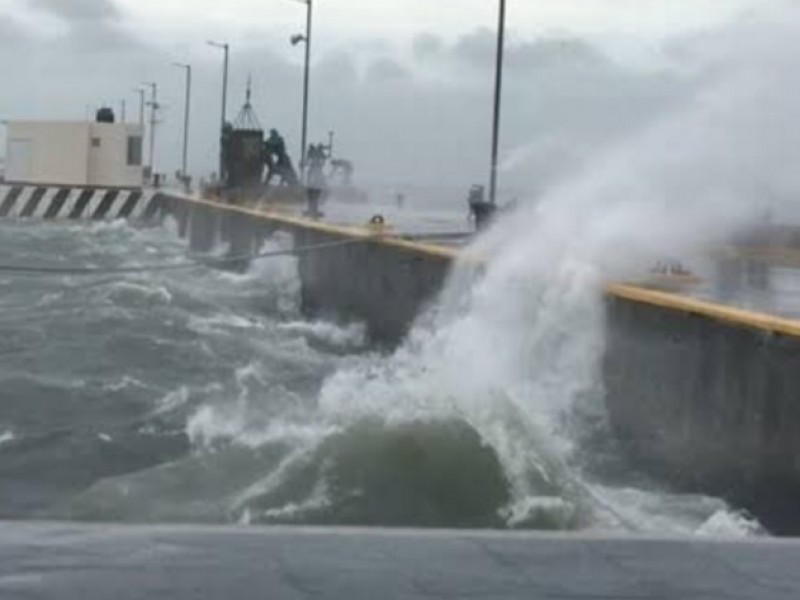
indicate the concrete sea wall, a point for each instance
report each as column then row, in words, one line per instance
column 356, row 275
column 701, row 394
column 708, row 397
column 75, row 203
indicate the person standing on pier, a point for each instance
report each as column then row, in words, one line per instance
column 316, row 179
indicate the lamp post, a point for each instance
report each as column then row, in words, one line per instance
column 154, row 106
column 296, row 39
column 498, row 94
column 225, row 47
column 187, row 108
column 141, row 92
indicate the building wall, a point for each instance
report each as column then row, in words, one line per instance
column 57, row 153
column 108, row 162
column 72, row 154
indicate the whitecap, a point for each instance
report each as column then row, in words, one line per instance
column 348, row 337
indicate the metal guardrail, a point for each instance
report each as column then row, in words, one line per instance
column 641, row 291
column 705, row 308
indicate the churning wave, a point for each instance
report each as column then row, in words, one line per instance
column 205, row 397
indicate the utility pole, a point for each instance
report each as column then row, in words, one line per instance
column 225, row 47
column 498, row 95
column 154, row 106
column 141, row 92
column 296, row 39
column 187, row 108
column 123, row 115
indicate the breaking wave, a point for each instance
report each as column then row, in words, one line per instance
column 207, row 397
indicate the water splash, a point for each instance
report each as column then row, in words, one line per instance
column 513, row 352
column 7, row 437
column 491, row 413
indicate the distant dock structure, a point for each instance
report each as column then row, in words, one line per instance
column 74, row 170
column 100, row 153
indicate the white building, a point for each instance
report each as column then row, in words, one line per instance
column 107, row 155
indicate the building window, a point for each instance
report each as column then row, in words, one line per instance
column 135, row 151
column 95, row 142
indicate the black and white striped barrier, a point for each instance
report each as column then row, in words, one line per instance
column 66, row 203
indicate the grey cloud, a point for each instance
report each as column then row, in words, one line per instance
column 109, row 39
column 427, row 45
column 372, row 45
column 11, row 34
column 555, row 52
column 336, row 69
column 424, row 130
column 386, row 69
column 93, row 25
column 79, row 10
column 478, row 49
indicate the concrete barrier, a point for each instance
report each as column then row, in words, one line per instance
column 381, row 281
column 706, row 396
column 74, row 203
column 700, row 393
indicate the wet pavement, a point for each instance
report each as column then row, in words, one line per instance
column 69, row 562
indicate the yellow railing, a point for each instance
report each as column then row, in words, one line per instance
column 705, row 308
column 631, row 292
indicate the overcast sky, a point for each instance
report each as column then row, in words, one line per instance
column 371, row 17
column 406, row 84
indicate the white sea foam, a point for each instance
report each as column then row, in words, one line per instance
column 515, row 350
column 346, row 337
column 7, row 436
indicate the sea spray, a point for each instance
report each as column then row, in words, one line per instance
column 513, row 350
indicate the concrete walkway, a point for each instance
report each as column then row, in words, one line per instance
column 79, row 562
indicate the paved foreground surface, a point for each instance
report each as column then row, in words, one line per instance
column 78, row 562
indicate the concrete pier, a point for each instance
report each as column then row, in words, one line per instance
column 706, row 397
column 385, row 286
column 204, row 228
column 360, row 275
column 75, row 203
column 702, row 394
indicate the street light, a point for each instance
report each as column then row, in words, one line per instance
column 225, row 47
column 297, row 39
column 188, row 69
column 498, row 94
column 154, row 106
column 141, row 92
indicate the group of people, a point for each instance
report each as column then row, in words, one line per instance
column 280, row 170
column 277, row 160
column 481, row 210
column 280, row 167
column 317, row 157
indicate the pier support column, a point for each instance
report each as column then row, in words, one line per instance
column 202, row 229
column 243, row 240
